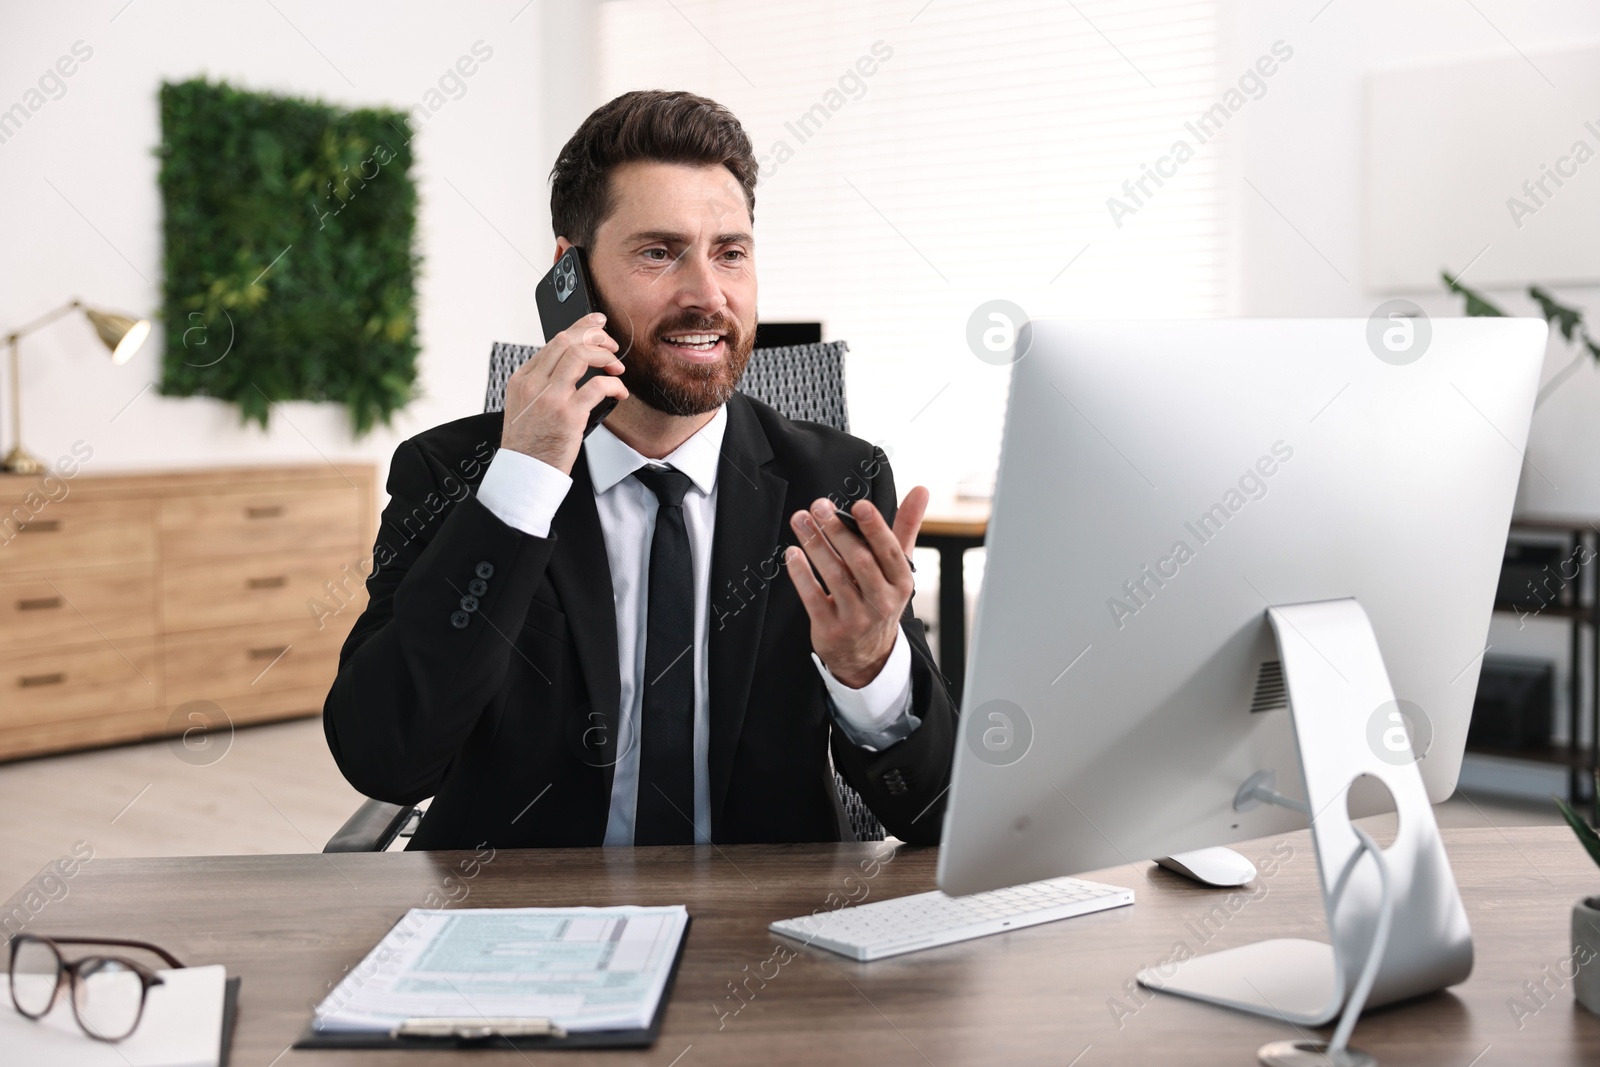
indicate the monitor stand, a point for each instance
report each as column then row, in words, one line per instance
column 1337, row 687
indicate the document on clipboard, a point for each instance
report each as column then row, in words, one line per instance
column 481, row 972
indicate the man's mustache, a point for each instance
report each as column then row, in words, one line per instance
column 699, row 324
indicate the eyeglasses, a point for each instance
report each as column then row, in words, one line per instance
column 107, row 992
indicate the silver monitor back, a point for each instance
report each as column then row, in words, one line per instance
column 1160, row 485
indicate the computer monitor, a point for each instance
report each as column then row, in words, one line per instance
column 1161, row 484
column 1239, row 580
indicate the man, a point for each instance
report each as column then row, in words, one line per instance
column 589, row 641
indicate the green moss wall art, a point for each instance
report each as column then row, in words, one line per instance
column 290, row 271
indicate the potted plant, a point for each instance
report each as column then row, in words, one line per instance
column 1585, row 918
column 1568, row 320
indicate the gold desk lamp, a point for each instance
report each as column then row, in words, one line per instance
column 121, row 335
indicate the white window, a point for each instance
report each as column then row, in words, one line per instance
column 920, row 160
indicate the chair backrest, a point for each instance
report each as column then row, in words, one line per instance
column 799, row 382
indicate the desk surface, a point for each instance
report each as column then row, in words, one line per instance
column 953, row 517
column 290, row 925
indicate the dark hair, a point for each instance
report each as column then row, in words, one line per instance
column 646, row 124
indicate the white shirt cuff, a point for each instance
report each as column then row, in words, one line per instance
column 879, row 713
column 523, row 492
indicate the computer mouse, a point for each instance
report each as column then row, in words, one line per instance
column 1211, row 866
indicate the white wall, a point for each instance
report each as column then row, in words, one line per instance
column 1302, row 149
column 83, row 211
column 1301, row 146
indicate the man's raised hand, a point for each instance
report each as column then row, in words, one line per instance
column 869, row 582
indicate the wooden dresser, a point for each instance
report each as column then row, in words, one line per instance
column 135, row 605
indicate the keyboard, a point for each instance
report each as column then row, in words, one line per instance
column 924, row 920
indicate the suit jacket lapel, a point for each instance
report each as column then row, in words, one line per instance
column 581, row 574
column 749, row 530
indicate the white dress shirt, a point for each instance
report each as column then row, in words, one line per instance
column 525, row 492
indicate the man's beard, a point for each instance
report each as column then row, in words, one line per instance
column 669, row 384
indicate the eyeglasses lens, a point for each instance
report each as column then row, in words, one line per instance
column 35, row 970
column 108, row 998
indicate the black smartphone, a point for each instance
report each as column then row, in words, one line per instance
column 853, row 524
column 850, row 521
column 564, row 296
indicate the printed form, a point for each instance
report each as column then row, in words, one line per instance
column 580, row 968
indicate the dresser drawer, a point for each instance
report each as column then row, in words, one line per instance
column 247, row 660
column 83, row 681
column 75, row 533
column 77, row 607
column 245, row 590
column 35, row 739
column 279, row 520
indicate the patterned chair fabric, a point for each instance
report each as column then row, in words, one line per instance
column 798, row 381
column 504, row 359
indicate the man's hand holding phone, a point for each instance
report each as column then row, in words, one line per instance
column 866, row 564
column 546, row 409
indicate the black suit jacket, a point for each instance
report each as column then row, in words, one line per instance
column 503, row 706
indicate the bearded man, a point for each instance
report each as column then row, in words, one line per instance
column 657, row 634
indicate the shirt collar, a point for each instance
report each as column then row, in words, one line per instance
column 611, row 460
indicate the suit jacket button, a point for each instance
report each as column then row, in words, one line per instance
column 477, row 587
column 469, row 603
column 460, row 619
column 485, row 570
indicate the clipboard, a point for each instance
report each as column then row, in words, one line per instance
column 312, row 1038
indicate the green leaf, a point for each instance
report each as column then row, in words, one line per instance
column 1586, row 833
column 1568, row 319
column 1477, row 306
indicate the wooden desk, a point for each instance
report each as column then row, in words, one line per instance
column 291, row 924
column 952, row 527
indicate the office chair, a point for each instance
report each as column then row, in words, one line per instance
column 799, row 381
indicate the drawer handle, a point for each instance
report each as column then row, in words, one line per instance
column 277, row 581
column 40, row 526
column 268, row 653
column 39, row 603
column 264, row 511
column 29, row 681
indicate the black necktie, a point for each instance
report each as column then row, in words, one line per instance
column 664, row 811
